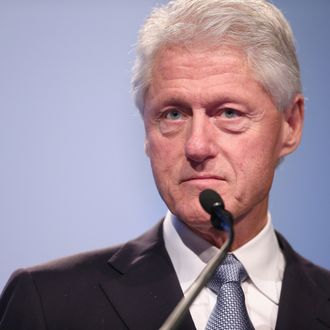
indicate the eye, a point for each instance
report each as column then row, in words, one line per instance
column 231, row 120
column 172, row 121
column 173, row 115
column 230, row 113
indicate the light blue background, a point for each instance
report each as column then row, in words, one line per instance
column 73, row 174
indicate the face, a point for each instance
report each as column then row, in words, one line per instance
column 210, row 124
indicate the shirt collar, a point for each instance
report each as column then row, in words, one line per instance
column 261, row 256
column 189, row 252
column 263, row 260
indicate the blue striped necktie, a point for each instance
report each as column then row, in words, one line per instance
column 230, row 312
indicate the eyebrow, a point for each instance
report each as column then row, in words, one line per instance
column 176, row 101
column 215, row 102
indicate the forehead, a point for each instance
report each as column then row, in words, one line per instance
column 201, row 74
column 198, row 61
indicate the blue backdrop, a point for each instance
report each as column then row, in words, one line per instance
column 73, row 174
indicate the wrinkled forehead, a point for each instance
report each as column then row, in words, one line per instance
column 197, row 61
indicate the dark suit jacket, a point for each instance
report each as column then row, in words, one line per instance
column 134, row 286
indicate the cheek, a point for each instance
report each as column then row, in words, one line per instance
column 253, row 160
column 257, row 165
column 162, row 158
column 262, row 147
column 164, row 152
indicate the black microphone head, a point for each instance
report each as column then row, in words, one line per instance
column 208, row 198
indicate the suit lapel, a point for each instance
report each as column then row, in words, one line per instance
column 144, row 288
column 303, row 303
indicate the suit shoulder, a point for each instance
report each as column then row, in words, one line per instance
column 78, row 273
column 91, row 259
column 320, row 275
column 83, row 260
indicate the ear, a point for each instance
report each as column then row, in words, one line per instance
column 293, row 125
column 146, row 146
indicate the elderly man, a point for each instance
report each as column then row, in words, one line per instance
column 218, row 85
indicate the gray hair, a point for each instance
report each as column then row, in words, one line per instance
column 255, row 26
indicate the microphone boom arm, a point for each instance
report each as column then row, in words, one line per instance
column 174, row 319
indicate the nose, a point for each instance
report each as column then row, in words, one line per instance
column 201, row 139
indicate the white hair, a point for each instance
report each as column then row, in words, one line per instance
column 256, row 27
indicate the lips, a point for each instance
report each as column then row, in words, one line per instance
column 201, row 178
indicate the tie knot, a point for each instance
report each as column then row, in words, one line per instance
column 231, row 270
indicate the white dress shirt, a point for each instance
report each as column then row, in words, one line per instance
column 261, row 257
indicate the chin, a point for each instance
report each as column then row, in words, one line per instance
column 186, row 206
column 194, row 217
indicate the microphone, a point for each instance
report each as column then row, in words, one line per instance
column 221, row 219
column 213, row 204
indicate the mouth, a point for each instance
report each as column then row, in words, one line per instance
column 202, row 179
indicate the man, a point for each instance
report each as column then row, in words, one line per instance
column 218, row 86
